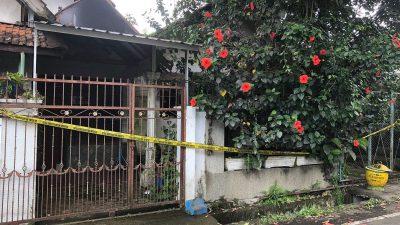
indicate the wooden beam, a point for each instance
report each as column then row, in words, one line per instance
column 29, row 50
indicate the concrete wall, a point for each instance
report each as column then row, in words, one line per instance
column 205, row 175
column 244, row 185
column 10, row 11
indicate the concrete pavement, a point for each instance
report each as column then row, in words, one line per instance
column 390, row 219
column 173, row 217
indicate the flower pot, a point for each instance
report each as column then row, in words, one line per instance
column 279, row 161
column 21, row 101
column 377, row 176
column 232, row 164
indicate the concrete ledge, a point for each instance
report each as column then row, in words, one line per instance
column 246, row 185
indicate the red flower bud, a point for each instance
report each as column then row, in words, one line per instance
column 223, row 54
column 246, row 87
column 208, row 14
column 316, row 60
column 312, row 39
column 193, row 102
column 303, row 79
column 356, row 143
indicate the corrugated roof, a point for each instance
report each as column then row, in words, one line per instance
column 117, row 36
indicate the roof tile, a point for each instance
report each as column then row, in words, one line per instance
column 19, row 35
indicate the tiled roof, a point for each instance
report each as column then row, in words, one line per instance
column 20, row 35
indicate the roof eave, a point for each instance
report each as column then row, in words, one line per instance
column 40, row 9
column 116, row 36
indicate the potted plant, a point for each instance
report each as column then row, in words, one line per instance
column 12, row 87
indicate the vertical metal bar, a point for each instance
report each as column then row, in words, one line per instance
column 370, row 151
column 131, row 147
column 35, row 46
column 186, row 85
column 391, row 135
column 183, row 138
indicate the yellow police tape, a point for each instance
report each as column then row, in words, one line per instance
column 134, row 137
column 396, row 123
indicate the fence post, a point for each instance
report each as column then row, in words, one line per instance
column 391, row 134
column 369, row 150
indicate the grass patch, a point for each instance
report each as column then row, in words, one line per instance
column 306, row 211
column 277, row 196
column 278, row 217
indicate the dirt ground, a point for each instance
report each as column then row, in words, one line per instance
column 348, row 214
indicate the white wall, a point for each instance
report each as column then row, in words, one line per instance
column 17, row 154
column 10, row 11
column 53, row 5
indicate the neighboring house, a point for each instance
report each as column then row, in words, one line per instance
column 102, row 75
column 102, row 15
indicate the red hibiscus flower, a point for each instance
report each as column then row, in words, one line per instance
column 223, row 54
column 218, row 35
column 316, row 60
column 246, row 87
column 322, row 52
column 312, row 39
column 300, row 130
column 368, row 90
column 208, row 51
column 208, row 14
column 252, row 6
column 356, row 143
column 297, row 124
column 303, row 79
column 193, row 102
column 206, row 63
column 396, row 43
column 272, row 35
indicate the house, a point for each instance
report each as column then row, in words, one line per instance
column 82, row 70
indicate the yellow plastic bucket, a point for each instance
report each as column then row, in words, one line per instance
column 377, row 175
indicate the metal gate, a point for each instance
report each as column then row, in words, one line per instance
column 49, row 172
column 384, row 146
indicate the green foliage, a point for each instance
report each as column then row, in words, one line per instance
column 277, row 196
column 313, row 211
column 168, row 186
column 304, row 212
column 13, row 85
column 277, row 217
column 337, row 192
column 372, row 203
column 333, row 106
column 253, row 161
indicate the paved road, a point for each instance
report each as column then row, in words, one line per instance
column 391, row 219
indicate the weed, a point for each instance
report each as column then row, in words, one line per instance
column 277, row 196
column 314, row 211
column 337, row 192
column 303, row 212
column 278, row 217
column 372, row 203
column 316, row 185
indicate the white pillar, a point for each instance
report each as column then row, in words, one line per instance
column 190, row 161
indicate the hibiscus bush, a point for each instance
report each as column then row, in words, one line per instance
column 290, row 75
